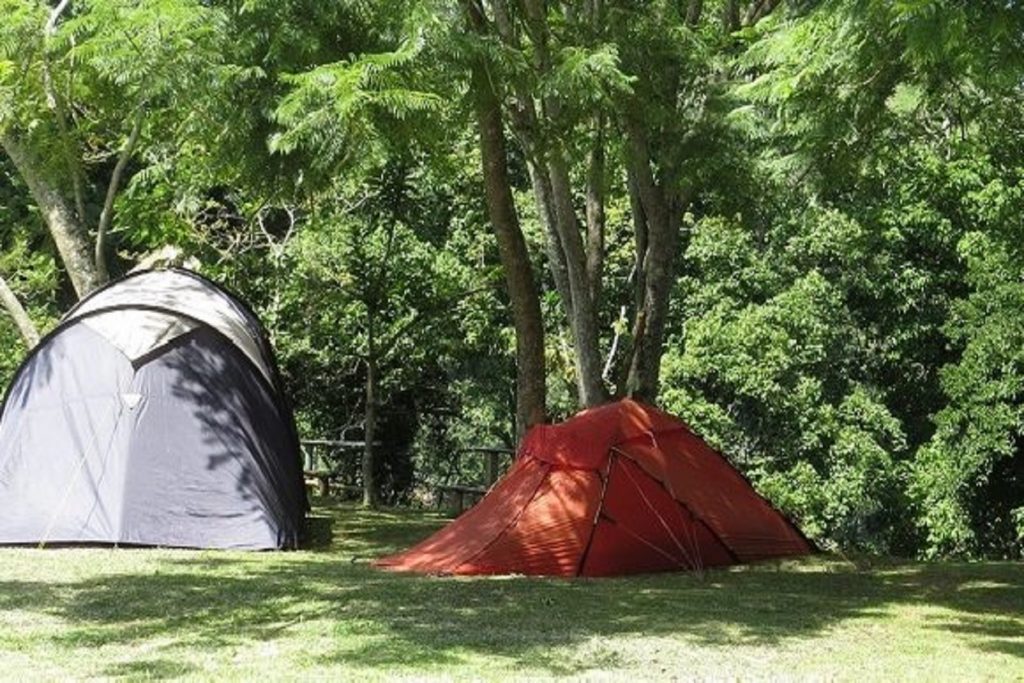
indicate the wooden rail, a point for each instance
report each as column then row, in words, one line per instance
column 464, row 492
column 320, row 473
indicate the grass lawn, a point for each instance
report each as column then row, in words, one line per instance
column 325, row 613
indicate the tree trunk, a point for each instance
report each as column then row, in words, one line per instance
column 531, row 382
column 639, row 238
column 69, row 235
column 370, row 493
column 595, row 213
column 567, row 260
column 56, row 103
column 107, row 215
column 581, row 309
column 731, row 16
column 618, row 365
column 661, row 209
column 693, row 12
column 553, row 244
column 583, row 312
column 525, row 125
column 24, row 323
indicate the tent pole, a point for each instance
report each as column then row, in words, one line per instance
column 661, row 519
column 735, row 558
column 597, row 514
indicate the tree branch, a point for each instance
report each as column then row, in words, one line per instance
column 595, row 213
column 56, row 105
column 758, row 10
column 69, row 235
column 24, row 323
column 107, row 215
column 609, row 364
column 51, row 23
column 693, row 12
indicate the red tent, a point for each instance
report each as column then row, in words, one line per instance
column 619, row 489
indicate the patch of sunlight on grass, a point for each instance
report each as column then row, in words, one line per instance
column 326, row 613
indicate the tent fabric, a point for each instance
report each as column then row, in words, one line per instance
column 145, row 426
column 623, row 488
column 139, row 333
column 181, row 294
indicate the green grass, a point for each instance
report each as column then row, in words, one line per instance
column 325, row 613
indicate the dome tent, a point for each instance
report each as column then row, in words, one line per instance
column 152, row 415
column 618, row 489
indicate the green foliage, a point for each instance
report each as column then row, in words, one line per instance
column 335, row 109
column 883, row 261
column 969, row 481
column 33, row 277
column 142, row 51
column 21, row 38
column 587, row 76
column 770, row 370
column 27, row 268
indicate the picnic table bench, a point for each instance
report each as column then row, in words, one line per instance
column 462, row 492
column 326, row 481
column 316, row 469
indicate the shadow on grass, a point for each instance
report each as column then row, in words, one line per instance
column 149, row 669
column 380, row 619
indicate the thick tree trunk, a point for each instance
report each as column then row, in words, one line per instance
column 370, row 493
column 567, row 260
column 525, row 125
column 24, row 323
column 581, row 307
column 69, row 235
column 531, row 382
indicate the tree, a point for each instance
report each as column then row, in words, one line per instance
column 572, row 75
column 522, row 290
column 396, row 287
column 82, row 85
column 874, row 168
column 28, row 280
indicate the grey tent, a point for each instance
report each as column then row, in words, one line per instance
column 152, row 415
